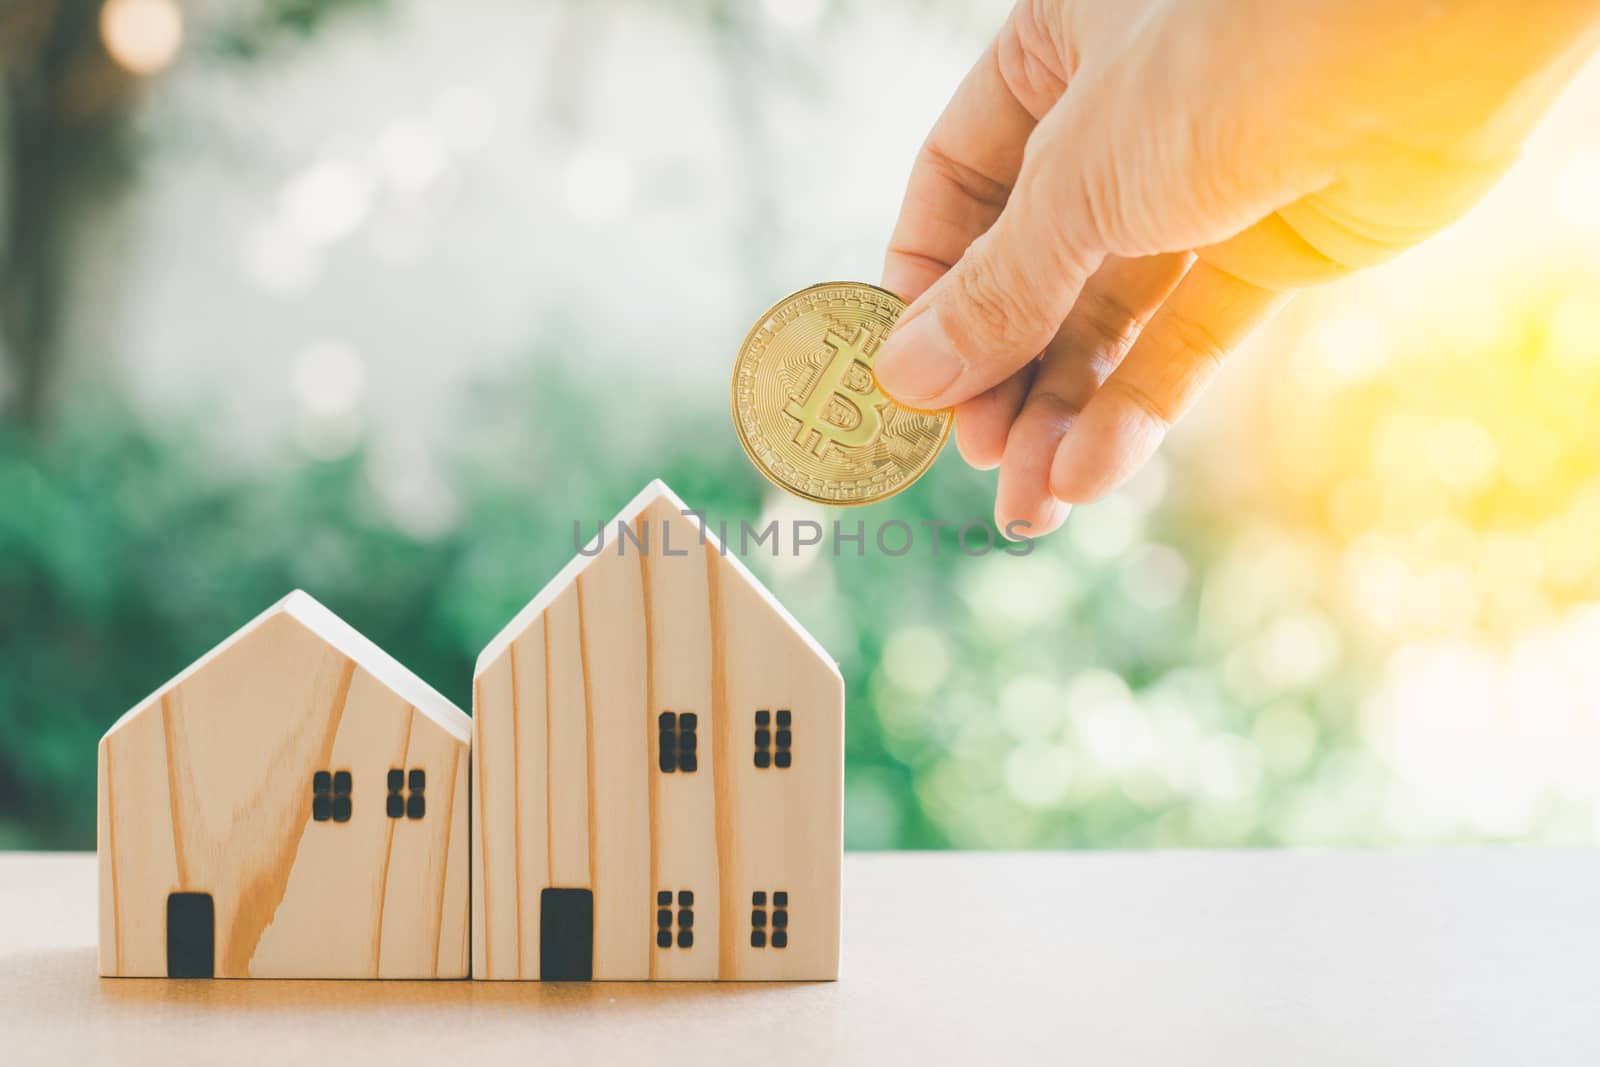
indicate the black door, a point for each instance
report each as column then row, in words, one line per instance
column 191, row 935
column 566, row 935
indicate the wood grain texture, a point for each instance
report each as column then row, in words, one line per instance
column 207, row 787
column 612, row 595
column 660, row 621
column 567, row 733
column 784, row 827
column 680, row 680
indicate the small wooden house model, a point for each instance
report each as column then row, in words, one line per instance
column 658, row 768
column 294, row 805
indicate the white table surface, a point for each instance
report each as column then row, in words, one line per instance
column 1174, row 959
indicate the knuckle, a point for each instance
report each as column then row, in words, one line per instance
column 1143, row 400
column 1100, row 208
column 1121, row 201
column 967, row 180
column 992, row 310
column 1103, row 202
column 1102, row 328
column 1029, row 59
column 1053, row 409
column 1196, row 348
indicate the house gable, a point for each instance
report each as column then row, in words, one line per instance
column 662, row 507
column 259, row 779
column 349, row 642
column 613, row 753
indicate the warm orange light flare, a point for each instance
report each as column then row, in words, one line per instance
column 142, row 35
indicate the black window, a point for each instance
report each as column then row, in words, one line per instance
column 399, row 805
column 330, row 796
column 778, row 921
column 773, row 747
column 677, row 742
column 685, row 919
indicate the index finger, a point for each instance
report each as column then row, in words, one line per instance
column 965, row 170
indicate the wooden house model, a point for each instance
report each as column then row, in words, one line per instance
column 658, row 771
column 294, row 805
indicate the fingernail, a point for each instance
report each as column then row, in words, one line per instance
column 1052, row 515
column 917, row 362
column 1055, row 514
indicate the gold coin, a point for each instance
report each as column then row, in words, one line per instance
column 807, row 406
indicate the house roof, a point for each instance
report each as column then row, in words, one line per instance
column 657, row 490
column 306, row 610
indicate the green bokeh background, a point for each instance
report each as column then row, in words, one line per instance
column 1352, row 602
column 124, row 555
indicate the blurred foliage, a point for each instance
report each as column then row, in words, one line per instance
column 251, row 31
column 1302, row 654
column 69, row 152
column 124, row 554
column 127, row 551
column 1347, row 604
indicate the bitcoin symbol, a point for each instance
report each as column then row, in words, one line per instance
column 844, row 407
column 810, row 416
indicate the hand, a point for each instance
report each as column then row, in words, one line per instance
column 1119, row 192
